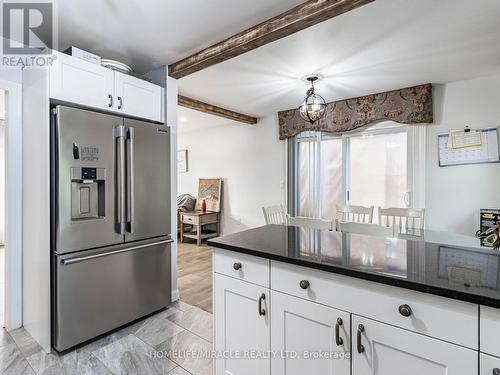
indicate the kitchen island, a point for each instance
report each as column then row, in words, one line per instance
column 290, row 300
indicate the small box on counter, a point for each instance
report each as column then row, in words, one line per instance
column 84, row 55
column 490, row 227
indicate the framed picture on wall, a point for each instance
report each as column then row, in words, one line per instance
column 182, row 161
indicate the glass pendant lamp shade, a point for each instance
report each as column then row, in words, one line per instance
column 313, row 107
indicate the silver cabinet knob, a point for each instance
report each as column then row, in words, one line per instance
column 405, row 310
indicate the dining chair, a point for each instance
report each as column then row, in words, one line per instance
column 404, row 218
column 357, row 214
column 310, row 223
column 275, row 214
column 367, row 228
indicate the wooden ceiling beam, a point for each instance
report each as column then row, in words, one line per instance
column 301, row 17
column 197, row 105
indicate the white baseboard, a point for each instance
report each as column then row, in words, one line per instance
column 175, row 295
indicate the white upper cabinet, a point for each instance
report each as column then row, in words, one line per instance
column 76, row 81
column 380, row 349
column 79, row 82
column 316, row 336
column 137, row 97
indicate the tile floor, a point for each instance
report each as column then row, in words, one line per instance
column 2, row 284
column 135, row 349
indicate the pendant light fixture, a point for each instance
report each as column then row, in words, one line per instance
column 313, row 107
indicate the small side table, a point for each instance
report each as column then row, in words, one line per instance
column 198, row 220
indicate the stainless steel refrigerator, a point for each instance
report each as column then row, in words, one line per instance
column 110, row 183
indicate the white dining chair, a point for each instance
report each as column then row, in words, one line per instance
column 404, row 218
column 311, row 223
column 367, row 228
column 275, row 214
column 357, row 214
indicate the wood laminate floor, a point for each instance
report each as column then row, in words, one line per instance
column 194, row 275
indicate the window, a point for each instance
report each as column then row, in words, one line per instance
column 378, row 170
column 382, row 166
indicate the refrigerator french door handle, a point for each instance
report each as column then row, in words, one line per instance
column 120, row 135
column 130, row 179
column 89, row 257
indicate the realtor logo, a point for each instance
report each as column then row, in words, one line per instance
column 27, row 28
column 29, row 33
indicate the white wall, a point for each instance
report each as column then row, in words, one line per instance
column 2, row 166
column 36, row 206
column 454, row 195
column 10, row 80
column 249, row 158
column 2, row 181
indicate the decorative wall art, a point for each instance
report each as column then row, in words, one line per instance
column 210, row 190
column 182, row 161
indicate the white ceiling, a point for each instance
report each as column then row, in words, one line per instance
column 151, row 33
column 191, row 121
column 384, row 45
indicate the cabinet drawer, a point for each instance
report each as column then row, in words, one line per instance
column 190, row 219
column 489, row 365
column 439, row 317
column 490, row 327
column 208, row 219
column 242, row 266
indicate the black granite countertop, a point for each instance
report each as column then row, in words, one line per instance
column 463, row 273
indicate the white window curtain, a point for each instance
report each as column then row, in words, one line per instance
column 308, row 150
column 417, row 136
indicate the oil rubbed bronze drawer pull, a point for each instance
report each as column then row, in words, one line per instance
column 361, row 348
column 304, row 284
column 338, row 340
column 262, row 312
column 405, row 310
column 237, row 266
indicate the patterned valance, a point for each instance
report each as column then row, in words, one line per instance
column 412, row 105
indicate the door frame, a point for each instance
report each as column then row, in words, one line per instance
column 13, row 206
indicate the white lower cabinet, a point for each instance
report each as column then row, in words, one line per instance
column 275, row 326
column 381, row 349
column 242, row 333
column 489, row 365
column 308, row 338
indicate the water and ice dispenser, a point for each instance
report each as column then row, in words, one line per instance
column 88, row 193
